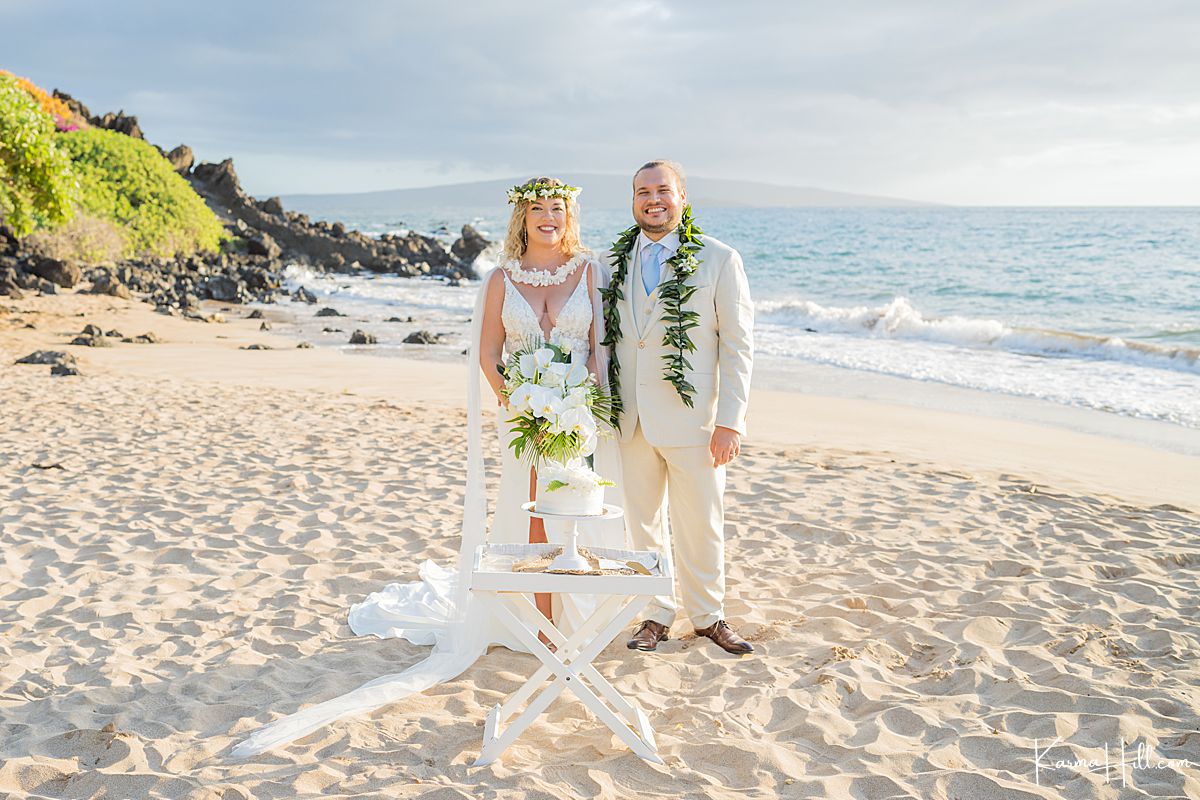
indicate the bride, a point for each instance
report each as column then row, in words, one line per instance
column 546, row 288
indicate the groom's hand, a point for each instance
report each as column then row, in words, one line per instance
column 725, row 445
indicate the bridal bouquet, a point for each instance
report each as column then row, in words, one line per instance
column 557, row 403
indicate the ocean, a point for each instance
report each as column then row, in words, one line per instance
column 1096, row 308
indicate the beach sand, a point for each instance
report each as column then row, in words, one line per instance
column 932, row 595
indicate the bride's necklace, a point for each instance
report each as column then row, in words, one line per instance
column 543, row 277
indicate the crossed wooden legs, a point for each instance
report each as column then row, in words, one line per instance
column 570, row 665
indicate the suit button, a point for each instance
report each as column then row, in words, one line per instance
column 641, row 345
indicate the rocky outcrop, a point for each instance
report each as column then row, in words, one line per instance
column 179, row 285
column 265, row 225
column 73, row 104
column 119, row 122
column 181, row 159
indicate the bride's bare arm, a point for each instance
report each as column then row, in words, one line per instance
column 491, row 335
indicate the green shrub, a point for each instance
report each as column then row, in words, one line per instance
column 36, row 184
column 127, row 181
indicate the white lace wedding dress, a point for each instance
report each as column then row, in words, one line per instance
column 438, row 609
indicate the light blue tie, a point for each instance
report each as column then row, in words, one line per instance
column 651, row 266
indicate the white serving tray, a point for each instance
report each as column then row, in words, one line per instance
column 493, row 565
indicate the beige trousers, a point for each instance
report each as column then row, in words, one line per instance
column 694, row 491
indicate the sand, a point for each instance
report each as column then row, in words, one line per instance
column 936, row 598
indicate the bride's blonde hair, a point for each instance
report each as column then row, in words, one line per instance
column 516, row 240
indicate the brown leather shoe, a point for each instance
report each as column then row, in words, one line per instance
column 648, row 635
column 722, row 634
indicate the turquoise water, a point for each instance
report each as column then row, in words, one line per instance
column 1092, row 307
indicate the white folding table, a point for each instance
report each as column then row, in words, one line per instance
column 570, row 667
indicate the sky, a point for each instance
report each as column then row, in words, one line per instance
column 1005, row 102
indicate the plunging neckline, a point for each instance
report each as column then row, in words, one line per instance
column 537, row 320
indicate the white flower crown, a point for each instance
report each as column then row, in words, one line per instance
column 527, row 191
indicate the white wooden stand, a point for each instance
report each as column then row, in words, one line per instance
column 570, row 667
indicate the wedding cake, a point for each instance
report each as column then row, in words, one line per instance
column 569, row 489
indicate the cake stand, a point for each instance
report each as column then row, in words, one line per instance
column 571, row 560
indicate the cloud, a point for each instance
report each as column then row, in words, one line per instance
column 977, row 103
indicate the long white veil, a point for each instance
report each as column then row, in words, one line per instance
column 457, row 626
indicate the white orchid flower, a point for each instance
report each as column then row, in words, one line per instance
column 574, row 420
column 555, row 375
column 577, row 374
column 546, row 405
column 519, row 400
column 576, row 398
column 528, row 365
column 544, row 356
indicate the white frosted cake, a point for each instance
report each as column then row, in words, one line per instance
column 574, row 490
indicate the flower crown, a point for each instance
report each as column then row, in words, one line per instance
column 532, row 191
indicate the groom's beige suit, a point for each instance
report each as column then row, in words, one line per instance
column 664, row 444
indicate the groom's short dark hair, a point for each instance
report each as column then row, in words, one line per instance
column 674, row 166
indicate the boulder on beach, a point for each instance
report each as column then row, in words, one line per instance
column 256, row 347
column 109, row 285
column 91, row 341
column 362, row 337
column 422, row 337
column 225, row 289
column 469, row 245
column 63, row 273
column 146, row 338
column 255, row 314
column 47, row 357
column 259, row 243
column 329, row 312
column 303, row 295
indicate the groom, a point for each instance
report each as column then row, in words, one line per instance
column 680, row 319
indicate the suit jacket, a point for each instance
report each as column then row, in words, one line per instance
column 721, row 363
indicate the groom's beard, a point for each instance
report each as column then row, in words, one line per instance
column 662, row 227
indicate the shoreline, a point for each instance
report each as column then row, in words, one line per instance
column 1067, row 448
column 798, row 374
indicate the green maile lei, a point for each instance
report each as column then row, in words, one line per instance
column 675, row 292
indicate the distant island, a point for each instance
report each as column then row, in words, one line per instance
column 599, row 191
